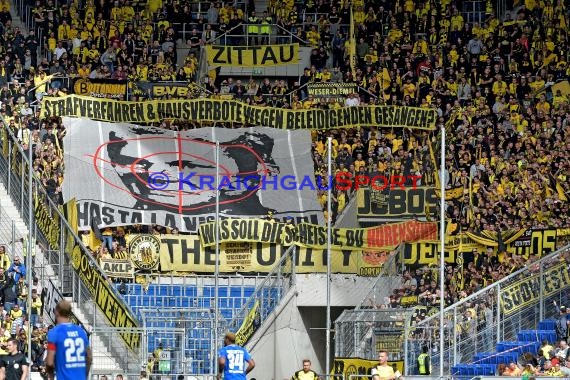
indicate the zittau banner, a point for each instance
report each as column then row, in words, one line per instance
column 185, row 254
column 233, row 111
column 526, row 291
column 253, row 56
column 385, row 237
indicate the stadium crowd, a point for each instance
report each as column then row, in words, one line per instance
column 497, row 87
column 493, row 84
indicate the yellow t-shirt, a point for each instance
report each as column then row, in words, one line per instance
column 384, row 372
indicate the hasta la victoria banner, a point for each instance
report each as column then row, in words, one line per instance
column 124, row 174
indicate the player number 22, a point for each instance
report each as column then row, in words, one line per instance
column 74, row 350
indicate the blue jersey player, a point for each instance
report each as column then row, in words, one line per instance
column 69, row 355
column 234, row 361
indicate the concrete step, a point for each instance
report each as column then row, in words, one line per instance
column 103, row 360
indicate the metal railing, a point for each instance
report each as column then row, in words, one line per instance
column 269, row 293
column 56, row 231
column 361, row 333
column 388, row 279
column 241, row 35
column 355, row 329
column 496, row 313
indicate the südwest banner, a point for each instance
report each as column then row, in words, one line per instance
column 385, row 237
column 396, row 203
column 253, row 56
column 331, row 90
column 109, row 167
column 100, row 88
column 116, row 312
column 521, row 294
column 160, row 89
column 530, row 242
column 344, row 367
column 185, row 254
column 249, row 325
column 234, row 111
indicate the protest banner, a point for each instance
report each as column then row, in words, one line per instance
column 385, row 237
column 234, row 111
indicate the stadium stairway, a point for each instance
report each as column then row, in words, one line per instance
column 486, row 363
column 9, row 216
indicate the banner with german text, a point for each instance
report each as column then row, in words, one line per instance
column 235, row 111
column 386, row 237
column 525, row 292
column 124, row 174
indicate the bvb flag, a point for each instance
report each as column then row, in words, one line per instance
column 352, row 45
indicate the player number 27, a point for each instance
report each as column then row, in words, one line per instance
column 74, row 350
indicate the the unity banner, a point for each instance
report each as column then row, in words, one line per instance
column 384, row 237
column 234, row 111
column 124, row 174
column 252, row 56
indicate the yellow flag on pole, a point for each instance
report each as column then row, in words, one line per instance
column 352, row 45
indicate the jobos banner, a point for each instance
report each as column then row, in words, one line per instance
column 123, row 174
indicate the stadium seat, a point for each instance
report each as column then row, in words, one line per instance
column 236, row 292
column 548, row 324
column 190, row 291
column 248, row 291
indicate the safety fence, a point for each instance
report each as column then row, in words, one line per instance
column 267, row 295
column 360, row 332
column 61, row 253
column 497, row 313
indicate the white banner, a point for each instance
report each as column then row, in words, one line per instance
column 124, row 174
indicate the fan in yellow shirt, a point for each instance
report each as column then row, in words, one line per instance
column 383, row 371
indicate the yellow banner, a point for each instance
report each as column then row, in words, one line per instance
column 48, row 222
column 356, row 366
column 248, row 326
column 5, row 143
column 253, row 56
column 531, row 242
column 183, row 253
column 106, row 299
column 396, row 203
column 233, row 111
column 408, row 301
column 526, row 291
column 384, row 237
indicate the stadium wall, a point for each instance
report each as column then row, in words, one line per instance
column 296, row 328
